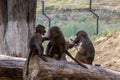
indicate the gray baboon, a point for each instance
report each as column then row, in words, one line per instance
column 85, row 48
column 36, row 47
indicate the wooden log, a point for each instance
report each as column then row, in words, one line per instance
column 11, row 69
column 63, row 70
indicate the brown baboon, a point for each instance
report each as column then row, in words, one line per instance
column 36, row 47
column 85, row 48
column 53, row 50
column 57, row 42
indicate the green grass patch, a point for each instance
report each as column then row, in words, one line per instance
column 72, row 4
column 72, row 22
column 105, row 33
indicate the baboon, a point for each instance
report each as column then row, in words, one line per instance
column 53, row 50
column 57, row 42
column 36, row 47
column 85, row 48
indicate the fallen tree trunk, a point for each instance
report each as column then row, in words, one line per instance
column 11, row 69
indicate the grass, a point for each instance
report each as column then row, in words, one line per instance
column 69, row 3
column 105, row 33
column 77, row 4
column 71, row 22
column 72, row 4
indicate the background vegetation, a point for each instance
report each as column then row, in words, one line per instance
column 73, row 15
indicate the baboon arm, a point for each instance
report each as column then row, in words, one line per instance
column 40, row 52
column 50, row 50
column 39, row 49
column 82, row 65
column 45, row 39
column 76, row 40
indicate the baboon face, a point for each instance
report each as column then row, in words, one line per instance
column 43, row 31
column 81, row 34
column 40, row 29
column 54, row 32
column 57, row 46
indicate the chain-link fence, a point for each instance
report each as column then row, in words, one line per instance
column 72, row 20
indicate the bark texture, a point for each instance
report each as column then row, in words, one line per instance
column 3, row 25
column 17, row 23
column 11, row 68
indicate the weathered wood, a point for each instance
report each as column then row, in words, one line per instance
column 11, row 69
column 17, row 23
column 62, row 70
column 3, row 25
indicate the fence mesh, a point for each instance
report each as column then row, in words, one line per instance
column 73, row 20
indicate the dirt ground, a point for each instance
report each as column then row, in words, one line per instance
column 108, row 51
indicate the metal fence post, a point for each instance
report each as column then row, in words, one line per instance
column 43, row 12
column 97, row 17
